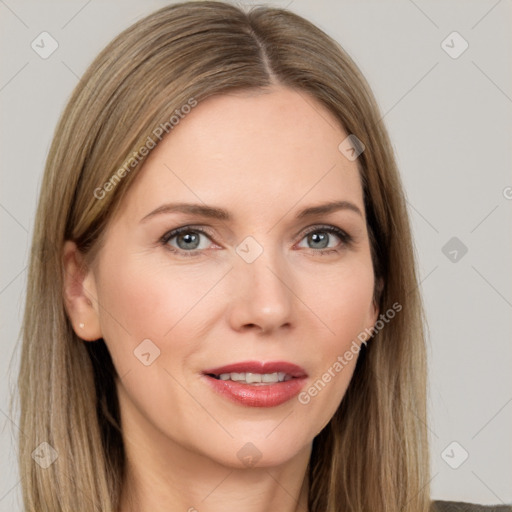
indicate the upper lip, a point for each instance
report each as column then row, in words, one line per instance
column 259, row 367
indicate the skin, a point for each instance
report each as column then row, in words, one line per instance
column 264, row 156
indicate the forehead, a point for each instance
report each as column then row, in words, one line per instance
column 260, row 151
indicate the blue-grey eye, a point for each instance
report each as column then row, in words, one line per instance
column 322, row 239
column 189, row 240
column 319, row 240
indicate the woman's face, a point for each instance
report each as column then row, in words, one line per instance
column 255, row 275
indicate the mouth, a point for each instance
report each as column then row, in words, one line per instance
column 257, row 384
column 257, row 373
column 253, row 378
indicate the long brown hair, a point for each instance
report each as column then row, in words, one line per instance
column 373, row 454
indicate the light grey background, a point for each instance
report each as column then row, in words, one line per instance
column 450, row 123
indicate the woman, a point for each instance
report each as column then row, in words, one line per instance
column 222, row 307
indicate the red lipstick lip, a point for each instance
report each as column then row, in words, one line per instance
column 259, row 367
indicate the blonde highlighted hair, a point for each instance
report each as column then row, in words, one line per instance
column 373, row 455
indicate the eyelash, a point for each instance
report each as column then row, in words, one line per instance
column 346, row 239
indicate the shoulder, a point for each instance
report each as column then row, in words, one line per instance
column 459, row 506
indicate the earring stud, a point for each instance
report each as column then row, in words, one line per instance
column 82, row 325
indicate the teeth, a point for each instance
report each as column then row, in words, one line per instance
column 255, row 378
column 252, row 378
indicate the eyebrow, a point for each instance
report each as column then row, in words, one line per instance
column 203, row 210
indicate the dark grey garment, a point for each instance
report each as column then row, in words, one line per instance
column 459, row 506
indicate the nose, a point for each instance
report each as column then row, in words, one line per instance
column 261, row 294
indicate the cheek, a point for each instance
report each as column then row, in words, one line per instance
column 156, row 301
column 132, row 304
column 160, row 304
column 343, row 308
column 340, row 297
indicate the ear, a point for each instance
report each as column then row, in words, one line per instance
column 79, row 292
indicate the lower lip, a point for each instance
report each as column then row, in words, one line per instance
column 267, row 395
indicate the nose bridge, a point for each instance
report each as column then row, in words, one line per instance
column 262, row 295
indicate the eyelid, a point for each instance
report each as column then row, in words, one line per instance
column 327, row 227
column 206, row 230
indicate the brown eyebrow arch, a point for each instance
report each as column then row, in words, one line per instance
column 222, row 214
